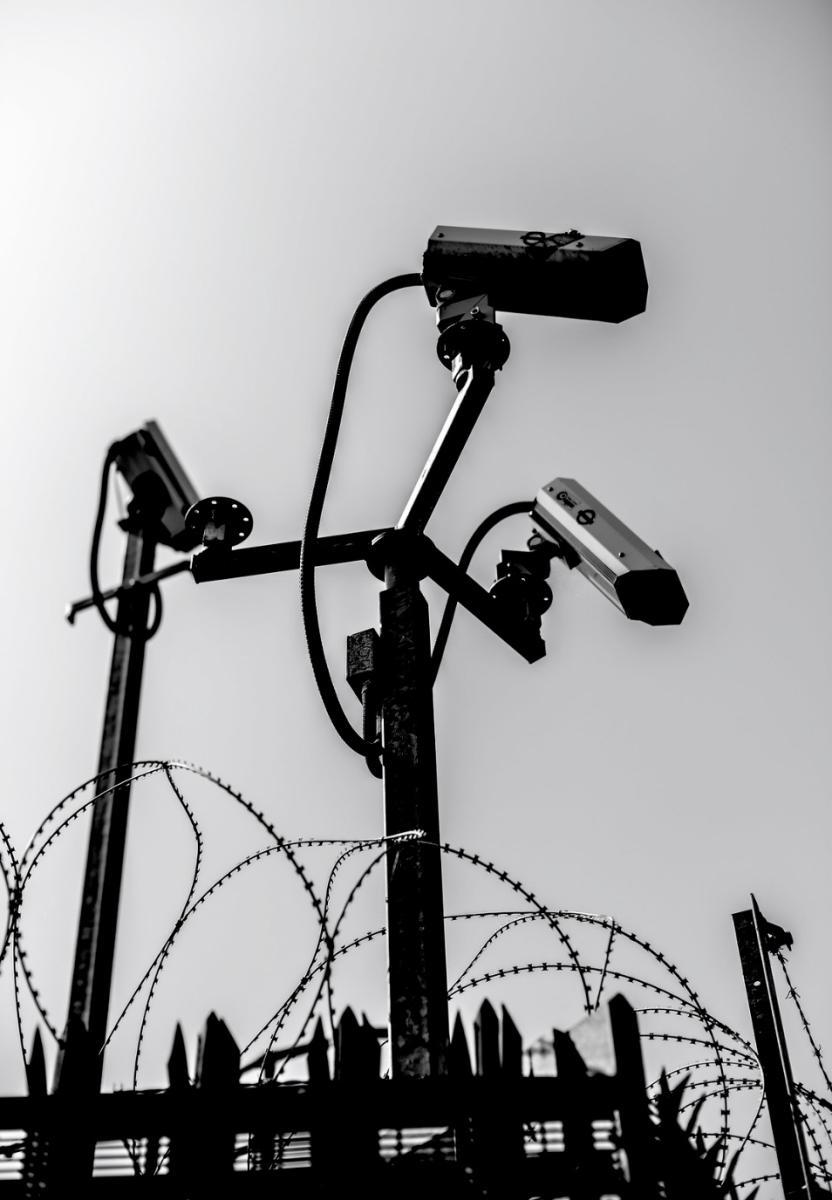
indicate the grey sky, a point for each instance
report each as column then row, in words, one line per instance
column 194, row 197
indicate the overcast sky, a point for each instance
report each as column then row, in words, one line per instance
column 194, row 197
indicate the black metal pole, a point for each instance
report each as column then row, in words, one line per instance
column 418, row 984
column 790, row 1146
column 418, row 987
column 95, row 945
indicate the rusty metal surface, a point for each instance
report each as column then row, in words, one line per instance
column 415, row 917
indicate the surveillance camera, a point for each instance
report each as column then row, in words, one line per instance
column 550, row 274
column 162, row 492
column 634, row 577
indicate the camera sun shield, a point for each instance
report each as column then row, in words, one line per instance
column 162, row 492
column 613, row 558
column 568, row 274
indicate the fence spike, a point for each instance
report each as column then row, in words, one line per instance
column 178, row 1074
column 637, row 1133
column 511, row 1056
column 317, row 1055
column 487, row 1040
column 347, row 1046
column 568, row 1063
column 220, row 1060
column 372, row 1049
column 36, row 1067
column 460, row 1052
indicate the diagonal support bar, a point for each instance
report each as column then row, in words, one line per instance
column 481, row 604
column 477, row 385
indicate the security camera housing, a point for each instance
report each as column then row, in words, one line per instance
column 550, row 274
column 591, row 538
column 162, row 492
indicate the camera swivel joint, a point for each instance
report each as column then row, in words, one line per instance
column 469, row 335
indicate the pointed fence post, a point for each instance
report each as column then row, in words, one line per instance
column 317, row 1055
column 36, row 1081
column 182, row 1147
column 218, row 1078
column 511, row 1047
column 638, row 1134
column 72, row 1147
column 498, row 1145
column 461, row 1071
column 317, row 1058
column 372, row 1048
column 179, row 1076
column 35, row 1155
column 578, row 1142
column 511, row 1070
column 349, row 1047
column 487, row 1041
column 460, row 1061
column 353, row 1136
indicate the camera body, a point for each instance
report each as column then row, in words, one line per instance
column 549, row 274
column 162, row 492
column 613, row 558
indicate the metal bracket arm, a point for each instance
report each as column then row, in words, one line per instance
column 280, row 556
column 480, row 603
column 117, row 593
column 473, row 347
column 477, row 387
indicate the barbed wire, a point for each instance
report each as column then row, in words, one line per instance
column 666, row 963
column 326, row 966
column 793, row 995
column 515, row 885
column 817, row 1106
column 607, row 959
column 161, row 960
column 710, row 1080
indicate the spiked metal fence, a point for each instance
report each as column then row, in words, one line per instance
column 484, row 1130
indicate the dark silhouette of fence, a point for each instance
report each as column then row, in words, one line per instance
column 485, row 1130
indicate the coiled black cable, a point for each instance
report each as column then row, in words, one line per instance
column 95, row 589
column 500, row 514
column 95, row 586
column 308, row 600
column 153, row 627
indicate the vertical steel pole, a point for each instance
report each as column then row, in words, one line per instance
column 418, row 983
column 415, row 913
column 95, row 946
column 786, row 1128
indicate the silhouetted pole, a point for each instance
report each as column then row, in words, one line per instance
column 89, row 998
column 418, row 985
column 474, row 348
column 753, row 938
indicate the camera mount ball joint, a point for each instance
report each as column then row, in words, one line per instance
column 469, row 334
column 220, row 522
column 520, row 589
